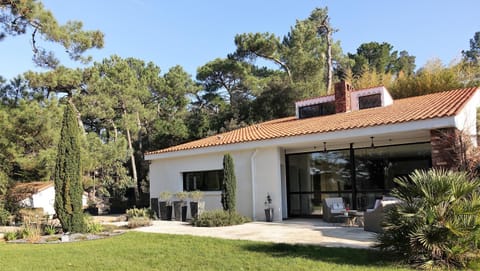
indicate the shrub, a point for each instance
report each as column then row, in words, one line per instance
column 229, row 186
column 5, row 216
column 12, row 235
column 136, row 222
column 49, row 229
column 438, row 221
column 68, row 174
column 31, row 215
column 217, row 218
column 182, row 195
column 31, row 233
column 165, row 196
column 139, row 212
column 91, row 226
column 196, row 195
column 32, row 225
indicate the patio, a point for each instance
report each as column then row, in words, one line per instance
column 292, row 231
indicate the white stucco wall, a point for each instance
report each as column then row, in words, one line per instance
column 466, row 120
column 45, row 199
column 384, row 96
column 166, row 175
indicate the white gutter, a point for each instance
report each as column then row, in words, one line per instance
column 252, row 169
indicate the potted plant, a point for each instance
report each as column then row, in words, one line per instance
column 197, row 206
column 165, row 205
column 268, row 208
column 179, row 206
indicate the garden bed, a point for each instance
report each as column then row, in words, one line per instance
column 75, row 237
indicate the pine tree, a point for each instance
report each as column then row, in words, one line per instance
column 68, row 184
column 229, row 184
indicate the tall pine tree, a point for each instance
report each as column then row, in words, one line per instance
column 229, row 189
column 68, row 182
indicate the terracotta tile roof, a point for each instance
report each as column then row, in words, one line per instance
column 437, row 105
column 22, row 191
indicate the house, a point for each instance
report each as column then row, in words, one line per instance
column 37, row 195
column 350, row 144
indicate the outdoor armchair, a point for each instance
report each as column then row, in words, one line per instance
column 333, row 207
column 373, row 218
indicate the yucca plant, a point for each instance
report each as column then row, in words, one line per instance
column 438, row 222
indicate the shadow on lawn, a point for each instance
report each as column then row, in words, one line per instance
column 364, row 257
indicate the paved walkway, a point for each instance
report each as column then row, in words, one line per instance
column 294, row 231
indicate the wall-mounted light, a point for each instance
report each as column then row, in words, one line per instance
column 372, row 145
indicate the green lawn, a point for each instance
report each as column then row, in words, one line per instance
column 147, row 251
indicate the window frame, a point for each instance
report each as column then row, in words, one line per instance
column 316, row 110
column 368, row 101
column 204, row 176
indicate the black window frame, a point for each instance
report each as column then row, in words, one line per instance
column 315, row 110
column 370, row 101
column 202, row 184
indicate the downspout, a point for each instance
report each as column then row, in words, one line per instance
column 252, row 169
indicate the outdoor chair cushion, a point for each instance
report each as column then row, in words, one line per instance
column 373, row 218
column 332, row 207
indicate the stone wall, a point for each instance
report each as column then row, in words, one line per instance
column 447, row 151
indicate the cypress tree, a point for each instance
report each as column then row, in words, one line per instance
column 68, row 184
column 229, row 184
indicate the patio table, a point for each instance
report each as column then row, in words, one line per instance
column 352, row 218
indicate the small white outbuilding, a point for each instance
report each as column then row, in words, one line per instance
column 38, row 195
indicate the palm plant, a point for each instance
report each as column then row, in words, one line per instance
column 438, row 221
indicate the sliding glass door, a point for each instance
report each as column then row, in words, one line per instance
column 359, row 176
column 315, row 176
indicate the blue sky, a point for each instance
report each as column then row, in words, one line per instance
column 191, row 33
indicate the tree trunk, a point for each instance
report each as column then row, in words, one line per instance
column 132, row 156
column 329, row 62
column 140, row 134
column 328, row 31
column 279, row 62
column 115, row 130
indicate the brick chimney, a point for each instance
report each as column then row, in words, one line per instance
column 343, row 101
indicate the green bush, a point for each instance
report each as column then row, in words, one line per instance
column 438, row 221
column 136, row 222
column 217, row 218
column 31, row 233
column 139, row 212
column 23, row 233
column 49, row 229
column 5, row 216
column 229, row 186
column 12, row 235
column 91, row 226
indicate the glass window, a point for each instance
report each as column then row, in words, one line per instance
column 369, row 101
column 376, row 169
column 203, row 180
column 316, row 110
column 315, row 176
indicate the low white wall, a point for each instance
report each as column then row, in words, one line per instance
column 166, row 175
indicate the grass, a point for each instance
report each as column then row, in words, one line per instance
column 148, row 251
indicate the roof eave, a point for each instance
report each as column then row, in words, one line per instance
column 418, row 125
